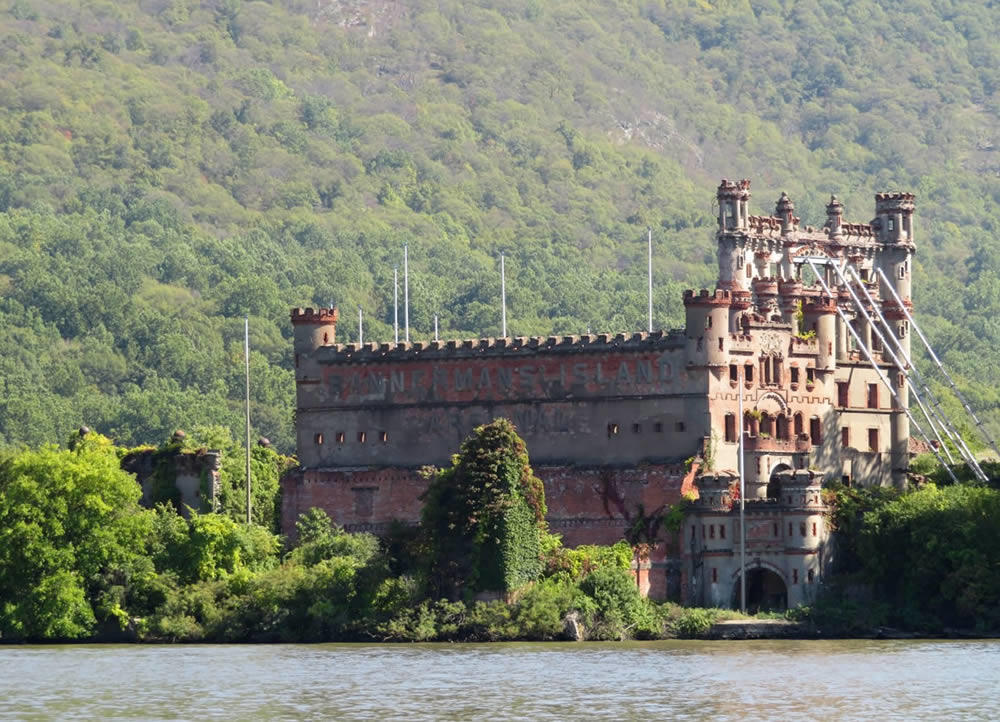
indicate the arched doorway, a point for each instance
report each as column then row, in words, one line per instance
column 774, row 483
column 766, row 591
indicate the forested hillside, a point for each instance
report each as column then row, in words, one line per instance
column 168, row 166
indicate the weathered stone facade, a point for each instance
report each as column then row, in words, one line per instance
column 611, row 422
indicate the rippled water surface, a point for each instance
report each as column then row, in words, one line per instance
column 815, row 680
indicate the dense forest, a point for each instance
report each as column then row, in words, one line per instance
column 169, row 166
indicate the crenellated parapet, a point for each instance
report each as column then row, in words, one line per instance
column 315, row 315
column 518, row 346
column 720, row 297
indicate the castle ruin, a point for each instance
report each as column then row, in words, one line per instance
column 620, row 427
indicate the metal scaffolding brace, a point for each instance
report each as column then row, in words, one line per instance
column 944, row 371
column 949, row 428
column 906, row 368
column 868, row 353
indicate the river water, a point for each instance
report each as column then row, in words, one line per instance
column 809, row 680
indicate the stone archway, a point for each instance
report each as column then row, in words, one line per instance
column 766, row 591
column 774, row 482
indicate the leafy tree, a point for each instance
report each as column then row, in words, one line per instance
column 71, row 530
column 484, row 516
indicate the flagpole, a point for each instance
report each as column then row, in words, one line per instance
column 743, row 531
column 246, row 359
column 503, row 299
column 649, row 231
column 361, row 333
column 406, row 289
column 395, row 304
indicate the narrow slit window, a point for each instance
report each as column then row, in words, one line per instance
column 612, row 430
column 318, row 439
column 636, row 428
column 384, row 437
column 362, row 437
column 341, row 437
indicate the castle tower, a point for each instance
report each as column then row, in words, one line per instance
column 734, row 214
column 707, row 327
column 312, row 328
column 894, row 219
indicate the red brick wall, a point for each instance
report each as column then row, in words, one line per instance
column 586, row 505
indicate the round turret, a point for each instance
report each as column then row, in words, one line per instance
column 821, row 313
column 314, row 328
column 707, row 326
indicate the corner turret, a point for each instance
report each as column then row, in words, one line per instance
column 314, row 328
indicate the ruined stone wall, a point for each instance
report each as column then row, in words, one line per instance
column 583, row 403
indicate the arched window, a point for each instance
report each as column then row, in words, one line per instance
column 730, row 427
column 766, row 424
column 798, row 425
column 782, row 427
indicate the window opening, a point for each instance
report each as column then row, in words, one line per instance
column 842, row 393
column 362, row 436
column 872, row 439
column 845, row 436
column 341, row 437
column 318, row 439
column 636, row 428
column 612, row 430
column 872, row 396
column 815, row 431
column 730, row 427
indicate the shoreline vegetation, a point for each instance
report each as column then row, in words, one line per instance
column 81, row 560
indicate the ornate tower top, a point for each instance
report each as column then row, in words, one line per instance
column 834, row 217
